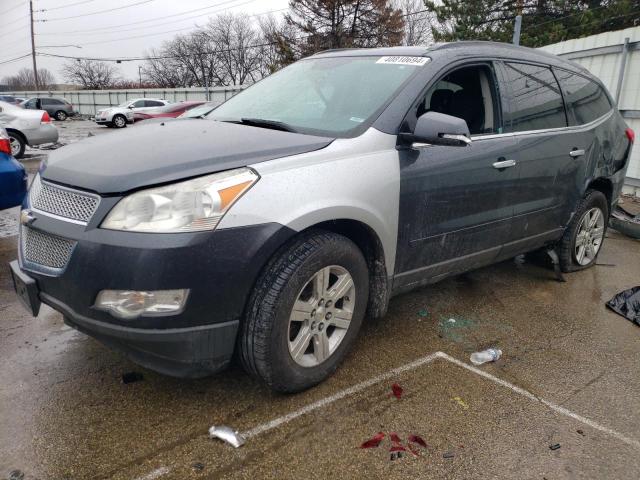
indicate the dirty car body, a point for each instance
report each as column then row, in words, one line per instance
column 26, row 127
column 322, row 200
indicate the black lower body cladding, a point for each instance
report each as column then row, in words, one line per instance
column 219, row 268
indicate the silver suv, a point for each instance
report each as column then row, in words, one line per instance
column 121, row 115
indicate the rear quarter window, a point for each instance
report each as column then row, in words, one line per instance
column 585, row 98
column 536, row 100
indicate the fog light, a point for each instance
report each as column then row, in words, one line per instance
column 129, row 304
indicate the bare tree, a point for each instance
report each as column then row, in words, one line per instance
column 90, row 74
column 417, row 22
column 238, row 54
column 229, row 50
column 24, row 80
column 280, row 47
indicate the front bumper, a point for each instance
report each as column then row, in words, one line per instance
column 219, row 268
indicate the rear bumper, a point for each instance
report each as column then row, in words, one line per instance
column 46, row 133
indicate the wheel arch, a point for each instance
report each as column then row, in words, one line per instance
column 369, row 243
column 604, row 186
column 18, row 133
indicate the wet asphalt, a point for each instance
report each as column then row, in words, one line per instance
column 65, row 412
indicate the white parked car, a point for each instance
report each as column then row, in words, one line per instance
column 119, row 116
column 26, row 127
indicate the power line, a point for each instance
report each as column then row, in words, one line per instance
column 165, row 57
column 12, row 8
column 15, row 59
column 7, row 32
column 65, row 6
column 96, row 13
column 173, row 21
column 564, row 17
column 93, row 30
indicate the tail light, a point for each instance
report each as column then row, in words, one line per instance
column 45, row 118
column 631, row 135
column 5, row 143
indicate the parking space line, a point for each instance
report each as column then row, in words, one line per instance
column 265, row 427
column 277, row 422
column 557, row 408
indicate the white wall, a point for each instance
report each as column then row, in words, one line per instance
column 602, row 55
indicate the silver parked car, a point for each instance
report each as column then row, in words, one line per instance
column 119, row 116
column 26, row 127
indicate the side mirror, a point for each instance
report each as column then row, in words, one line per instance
column 435, row 128
column 130, row 107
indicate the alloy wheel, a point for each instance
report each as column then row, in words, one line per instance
column 15, row 146
column 119, row 121
column 589, row 237
column 321, row 316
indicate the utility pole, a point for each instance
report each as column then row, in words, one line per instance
column 140, row 75
column 33, row 48
column 516, row 30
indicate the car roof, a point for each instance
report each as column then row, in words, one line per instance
column 475, row 48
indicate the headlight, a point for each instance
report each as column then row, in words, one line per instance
column 191, row 206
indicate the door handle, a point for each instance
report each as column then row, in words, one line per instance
column 504, row 164
column 576, row 152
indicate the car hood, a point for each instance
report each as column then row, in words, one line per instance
column 156, row 153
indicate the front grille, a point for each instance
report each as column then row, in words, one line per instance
column 45, row 249
column 61, row 201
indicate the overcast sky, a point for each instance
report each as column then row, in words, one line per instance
column 107, row 34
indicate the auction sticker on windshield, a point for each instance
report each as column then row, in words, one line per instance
column 417, row 61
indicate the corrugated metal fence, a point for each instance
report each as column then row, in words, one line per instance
column 613, row 57
column 88, row 102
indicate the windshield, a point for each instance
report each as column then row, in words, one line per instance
column 198, row 111
column 335, row 96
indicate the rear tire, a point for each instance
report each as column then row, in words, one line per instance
column 61, row 115
column 294, row 349
column 584, row 236
column 119, row 121
column 18, row 145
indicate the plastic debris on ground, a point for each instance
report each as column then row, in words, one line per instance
column 131, row 377
column 461, row 402
column 555, row 446
column 627, row 304
column 448, row 455
column 15, row 475
column 374, row 441
column 423, row 313
column 625, row 222
column 227, row 434
column 488, row 355
column 396, row 390
column 198, row 466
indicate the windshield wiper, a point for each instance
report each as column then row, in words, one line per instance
column 264, row 123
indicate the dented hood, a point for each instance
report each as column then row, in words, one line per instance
column 123, row 160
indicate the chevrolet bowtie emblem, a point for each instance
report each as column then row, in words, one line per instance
column 26, row 218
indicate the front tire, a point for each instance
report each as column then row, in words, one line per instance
column 61, row 115
column 119, row 121
column 18, row 145
column 584, row 236
column 305, row 312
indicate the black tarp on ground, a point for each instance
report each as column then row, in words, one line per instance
column 627, row 304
